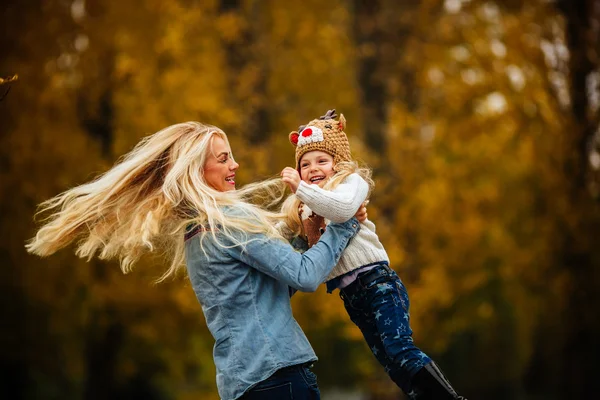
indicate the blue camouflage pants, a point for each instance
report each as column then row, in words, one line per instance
column 378, row 304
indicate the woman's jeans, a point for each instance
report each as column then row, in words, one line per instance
column 296, row 382
column 378, row 304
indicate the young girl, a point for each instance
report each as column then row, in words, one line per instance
column 175, row 192
column 329, row 187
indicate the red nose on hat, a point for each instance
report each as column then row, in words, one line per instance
column 307, row 132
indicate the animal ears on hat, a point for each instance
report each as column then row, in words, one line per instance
column 342, row 122
column 294, row 138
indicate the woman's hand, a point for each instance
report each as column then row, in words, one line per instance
column 291, row 177
column 361, row 214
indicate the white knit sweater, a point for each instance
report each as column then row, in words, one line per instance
column 339, row 205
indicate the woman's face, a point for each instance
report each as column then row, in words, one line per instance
column 220, row 167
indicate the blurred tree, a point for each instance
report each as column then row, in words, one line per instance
column 247, row 60
column 472, row 113
column 76, row 327
column 28, row 119
column 579, row 252
column 480, row 198
column 371, row 38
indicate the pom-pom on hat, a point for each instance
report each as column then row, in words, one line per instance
column 324, row 134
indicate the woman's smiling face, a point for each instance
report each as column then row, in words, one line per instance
column 220, row 167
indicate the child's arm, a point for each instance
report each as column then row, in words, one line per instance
column 339, row 204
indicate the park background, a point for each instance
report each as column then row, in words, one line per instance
column 479, row 117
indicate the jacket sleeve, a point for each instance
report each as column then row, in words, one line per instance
column 304, row 272
column 339, row 204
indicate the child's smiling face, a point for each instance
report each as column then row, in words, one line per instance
column 316, row 167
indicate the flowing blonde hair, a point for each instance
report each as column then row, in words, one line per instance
column 289, row 209
column 147, row 199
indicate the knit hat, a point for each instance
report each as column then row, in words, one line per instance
column 324, row 134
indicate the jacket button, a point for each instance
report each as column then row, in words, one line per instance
column 354, row 225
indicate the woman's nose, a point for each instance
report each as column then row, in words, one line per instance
column 234, row 165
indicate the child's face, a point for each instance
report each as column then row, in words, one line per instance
column 315, row 167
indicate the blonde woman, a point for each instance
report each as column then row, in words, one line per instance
column 175, row 191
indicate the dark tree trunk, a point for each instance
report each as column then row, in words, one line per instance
column 95, row 103
column 98, row 122
column 241, row 53
column 382, row 30
column 582, row 45
column 369, row 37
column 581, row 348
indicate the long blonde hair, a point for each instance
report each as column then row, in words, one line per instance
column 289, row 209
column 147, row 199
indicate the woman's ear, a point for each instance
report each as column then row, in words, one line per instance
column 294, row 138
column 342, row 122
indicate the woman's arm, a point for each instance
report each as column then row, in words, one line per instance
column 339, row 204
column 284, row 230
column 304, row 271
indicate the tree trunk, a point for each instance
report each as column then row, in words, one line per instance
column 241, row 54
column 581, row 349
column 369, row 37
column 97, row 119
column 581, row 45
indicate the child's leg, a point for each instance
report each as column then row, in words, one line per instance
column 372, row 336
column 379, row 307
column 378, row 304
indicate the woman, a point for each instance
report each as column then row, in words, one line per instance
column 180, row 183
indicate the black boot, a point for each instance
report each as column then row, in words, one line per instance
column 431, row 384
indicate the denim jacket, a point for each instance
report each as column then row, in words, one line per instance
column 245, row 299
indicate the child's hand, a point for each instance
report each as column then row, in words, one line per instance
column 291, row 177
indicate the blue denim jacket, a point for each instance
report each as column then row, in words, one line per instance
column 245, row 300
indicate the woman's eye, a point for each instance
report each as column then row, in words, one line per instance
column 223, row 160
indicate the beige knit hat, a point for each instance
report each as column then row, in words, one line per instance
column 324, row 134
